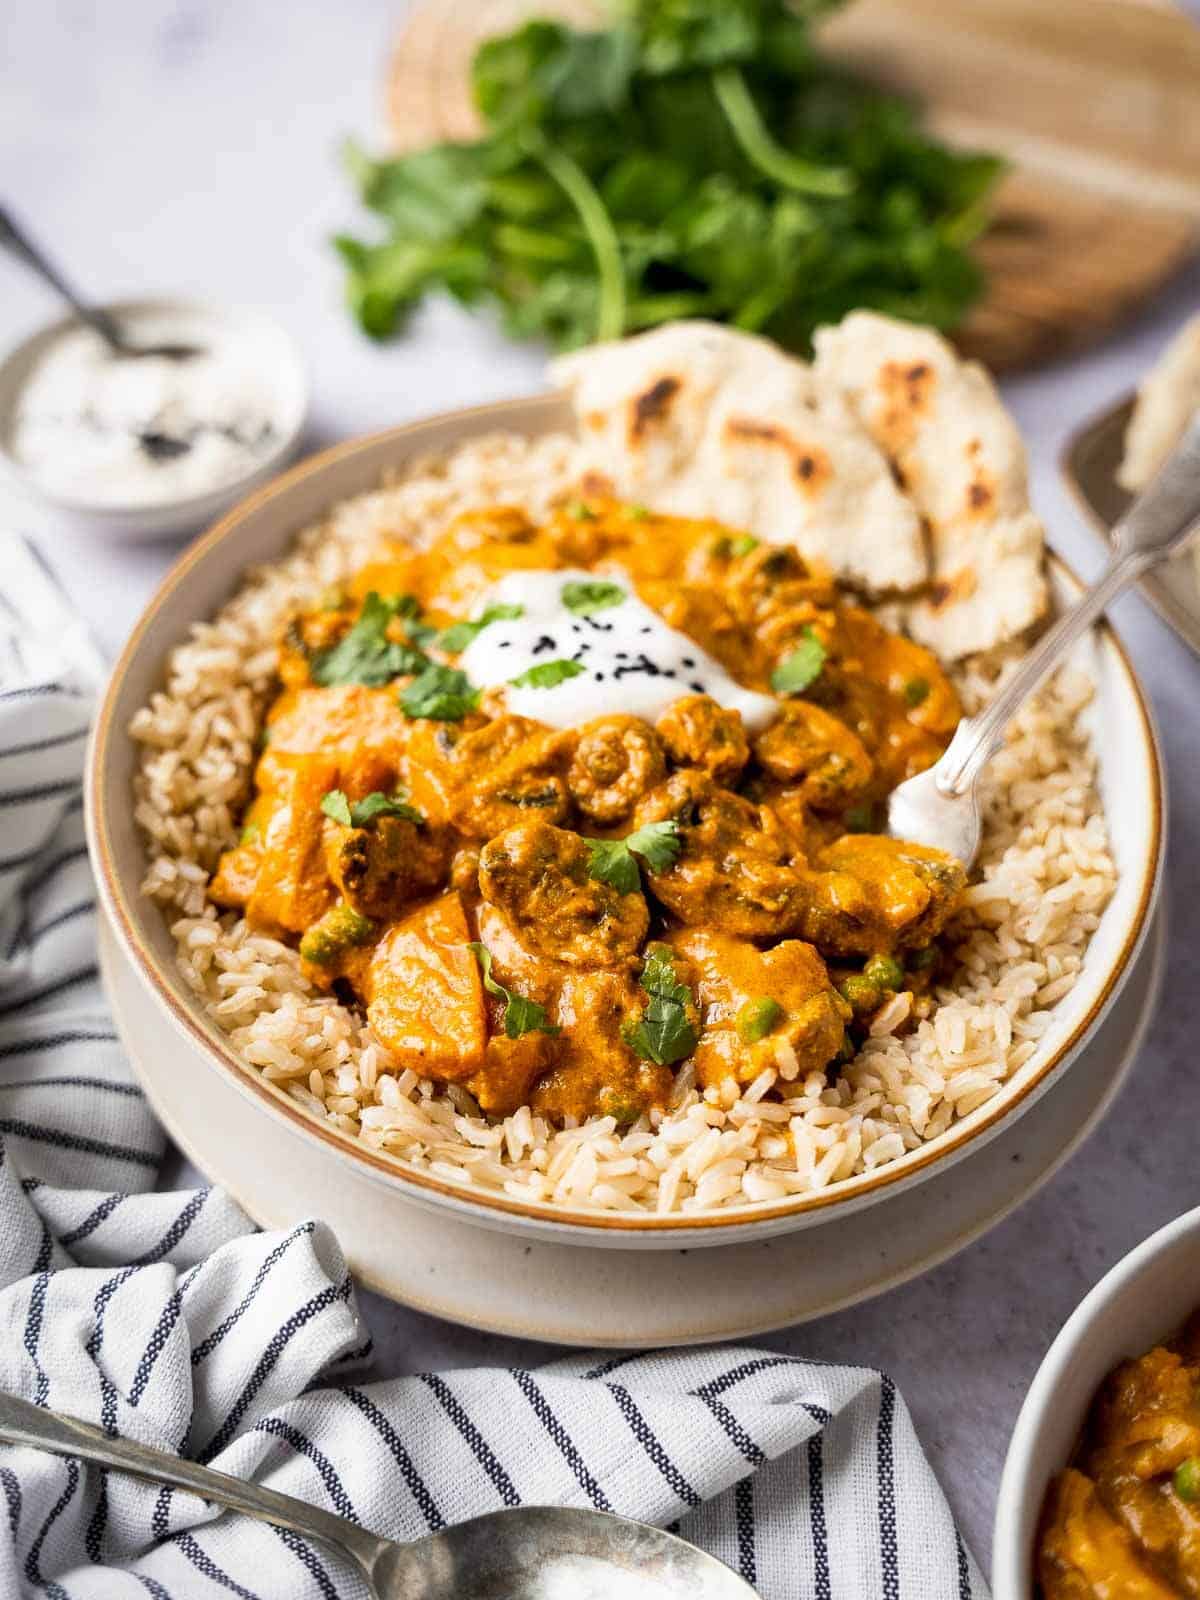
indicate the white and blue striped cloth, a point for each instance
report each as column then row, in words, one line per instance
column 168, row 1318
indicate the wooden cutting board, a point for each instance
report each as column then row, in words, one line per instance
column 1096, row 103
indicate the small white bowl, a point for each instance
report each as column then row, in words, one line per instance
column 1144, row 1299
column 135, row 524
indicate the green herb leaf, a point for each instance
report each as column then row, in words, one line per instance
column 250, row 834
column 365, row 654
column 335, row 805
column 585, row 596
column 803, row 667
column 459, row 635
column 757, row 1018
column 363, row 812
column 612, row 860
column 547, row 674
column 658, row 844
column 916, row 691
column 520, row 1015
column 666, row 1032
column 612, row 863
column 441, row 693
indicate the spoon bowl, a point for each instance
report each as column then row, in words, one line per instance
column 527, row 1553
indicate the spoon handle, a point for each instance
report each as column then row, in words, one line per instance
column 18, row 244
column 1157, row 525
column 24, row 1424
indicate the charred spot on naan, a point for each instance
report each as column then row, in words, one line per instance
column 811, row 465
column 908, row 389
column 653, row 405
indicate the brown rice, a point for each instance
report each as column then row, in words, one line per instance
column 1044, row 877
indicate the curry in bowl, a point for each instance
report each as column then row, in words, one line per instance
column 1123, row 1521
column 562, row 806
column 523, row 820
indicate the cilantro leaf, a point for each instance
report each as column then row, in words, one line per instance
column 335, row 805
column 459, row 635
column 612, row 863
column 441, row 693
column 666, row 1032
column 521, row 1015
column 361, row 813
column 658, row 844
column 365, row 654
column 547, row 674
column 585, row 597
column 800, row 669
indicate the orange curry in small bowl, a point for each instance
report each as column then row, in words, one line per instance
column 562, row 807
column 1123, row 1521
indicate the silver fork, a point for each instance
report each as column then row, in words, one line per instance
column 521, row 1554
column 940, row 807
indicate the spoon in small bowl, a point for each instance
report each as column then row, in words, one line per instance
column 529, row 1553
column 940, row 807
column 18, row 244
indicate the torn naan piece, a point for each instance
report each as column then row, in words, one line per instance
column 1166, row 399
column 958, row 455
column 702, row 421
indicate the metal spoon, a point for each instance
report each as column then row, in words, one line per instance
column 940, row 807
column 21, row 246
column 525, row 1554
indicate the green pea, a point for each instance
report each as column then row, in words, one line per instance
column 861, row 994
column 884, row 972
column 916, row 690
column 859, row 819
column 1187, row 1479
column 757, row 1018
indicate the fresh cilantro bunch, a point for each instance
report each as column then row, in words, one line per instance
column 695, row 158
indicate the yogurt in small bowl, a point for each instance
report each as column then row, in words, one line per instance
column 144, row 446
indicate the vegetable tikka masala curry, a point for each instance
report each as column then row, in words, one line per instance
column 1123, row 1523
column 564, row 806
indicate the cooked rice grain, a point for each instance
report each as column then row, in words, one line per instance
column 1045, row 875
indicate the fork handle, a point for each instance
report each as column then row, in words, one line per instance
column 24, row 1424
column 1158, row 524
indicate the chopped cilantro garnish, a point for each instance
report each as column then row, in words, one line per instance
column 520, row 1015
column 666, row 1032
column 459, row 635
column 916, row 690
column 547, row 675
column 365, row 654
column 612, row 860
column 361, row 813
column 250, row 833
column 581, row 511
column 584, row 597
column 441, row 693
column 803, row 667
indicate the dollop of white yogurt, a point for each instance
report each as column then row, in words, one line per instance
column 632, row 662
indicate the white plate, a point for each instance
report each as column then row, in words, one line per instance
column 573, row 1294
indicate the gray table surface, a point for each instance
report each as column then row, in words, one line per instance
column 191, row 147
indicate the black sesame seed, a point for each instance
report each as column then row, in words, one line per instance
column 646, row 629
column 687, row 661
column 699, row 687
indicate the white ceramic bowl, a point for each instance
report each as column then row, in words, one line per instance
column 135, row 524
column 1143, row 1300
column 259, row 530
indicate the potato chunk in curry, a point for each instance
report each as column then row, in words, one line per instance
column 558, row 913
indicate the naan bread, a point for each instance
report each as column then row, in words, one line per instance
column 699, row 420
column 958, row 455
column 1166, row 399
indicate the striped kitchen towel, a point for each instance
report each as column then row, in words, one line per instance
column 168, row 1318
